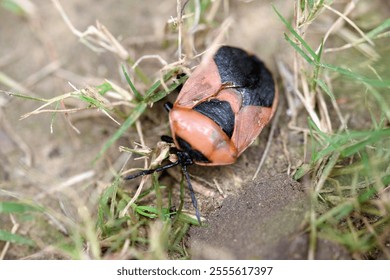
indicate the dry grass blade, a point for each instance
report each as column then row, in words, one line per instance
column 344, row 17
column 84, row 176
column 48, row 103
column 14, row 85
column 14, row 229
column 274, row 124
column 97, row 38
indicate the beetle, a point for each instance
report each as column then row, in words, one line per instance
column 219, row 112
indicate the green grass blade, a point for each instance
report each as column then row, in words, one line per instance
column 302, row 171
column 368, row 194
column 373, row 137
column 386, row 180
column 385, row 25
column 325, row 88
column 15, row 238
column 137, row 95
column 14, row 7
column 310, row 3
column 355, row 76
column 316, row 58
column 381, row 100
column 104, row 88
column 139, row 72
column 149, row 94
column 44, row 100
column 16, row 207
column 296, row 35
column 147, row 211
column 317, row 68
column 299, row 50
column 92, row 101
column 339, row 211
column 161, row 94
column 103, row 206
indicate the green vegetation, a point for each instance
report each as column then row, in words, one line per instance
column 348, row 172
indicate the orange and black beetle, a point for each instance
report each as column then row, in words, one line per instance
column 220, row 111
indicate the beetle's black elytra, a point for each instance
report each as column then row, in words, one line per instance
column 220, row 112
column 248, row 73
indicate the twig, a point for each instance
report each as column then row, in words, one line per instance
column 270, row 137
column 179, row 27
column 151, row 56
column 15, row 227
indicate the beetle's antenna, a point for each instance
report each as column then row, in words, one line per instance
column 192, row 194
column 150, row 171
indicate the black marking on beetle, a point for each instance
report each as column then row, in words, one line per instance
column 249, row 74
column 193, row 154
column 220, row 112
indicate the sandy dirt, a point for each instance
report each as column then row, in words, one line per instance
column 263, row 221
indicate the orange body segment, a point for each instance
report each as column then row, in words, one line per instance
column 204, row 136
column 203, row 84
column 250, row 121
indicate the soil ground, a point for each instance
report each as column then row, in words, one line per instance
column 262, row 222
column 259, row 219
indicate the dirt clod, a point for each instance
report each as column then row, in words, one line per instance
column 264, row 221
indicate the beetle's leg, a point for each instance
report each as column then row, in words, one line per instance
column 167, row 139
column 150, row 171
column 168, row 106
column 192, row 193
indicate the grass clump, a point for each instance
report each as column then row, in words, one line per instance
column 348, row 170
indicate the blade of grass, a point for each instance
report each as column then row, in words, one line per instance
column 299, row 50
column 104, row 88
column 157, row 84
column 373, row 138
column 355, row 76
column 17, row 207
column 157, row 190
column 317, row 67
column 315, row 58
column 385, row 25
column 25, row 96
column 103, row 208
column 147, row 211
column 15, row 238
column 161, row 94
column 381, row 101
column 296, row 35
column 325, row 88
column 137, row 95
column 139, row 72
